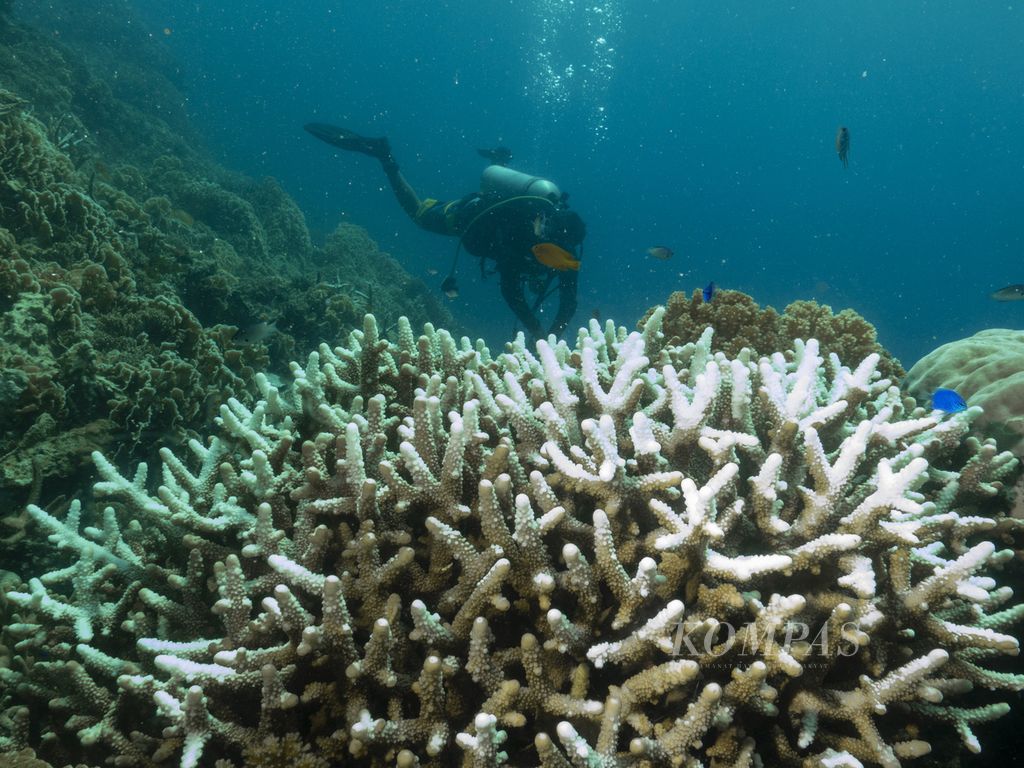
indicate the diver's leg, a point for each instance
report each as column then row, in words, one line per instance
column 379, row 148
column 512, row 292
column 404, row 193
column 343, row 138
column 567, row 282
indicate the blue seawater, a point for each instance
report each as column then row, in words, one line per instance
column 706, row 127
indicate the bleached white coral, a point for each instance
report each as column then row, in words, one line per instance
column 423, row 553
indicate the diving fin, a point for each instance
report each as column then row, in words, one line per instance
column 349, row 140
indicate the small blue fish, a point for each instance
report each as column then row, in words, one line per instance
column 709, row 292
column 948, row 400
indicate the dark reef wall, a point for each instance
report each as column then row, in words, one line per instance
column 140, row 283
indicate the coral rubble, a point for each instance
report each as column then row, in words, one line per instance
column 628, row 552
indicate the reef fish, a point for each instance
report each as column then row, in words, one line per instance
column 182, row 216
column 709, row 292
column 948, row 400
column 1010, row 293
column 497, row 155
column 843, row 144
column 449, row 288
column 257, row 333
column 551, row 255
column 660, row 252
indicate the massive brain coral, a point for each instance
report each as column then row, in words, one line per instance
column 987, row 369
column 622, row 553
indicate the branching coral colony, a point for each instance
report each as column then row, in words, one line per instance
column 621, row 553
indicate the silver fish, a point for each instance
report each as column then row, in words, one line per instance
column 449, row 288
column 257, row 333
column 540, row 226
column 1010, row 293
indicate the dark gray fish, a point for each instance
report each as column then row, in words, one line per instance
column 1010, row 293
column 497, row 155
column 660, row 252
column 843, row 145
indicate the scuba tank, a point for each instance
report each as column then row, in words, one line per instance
column 504, row 186
column 505, row 182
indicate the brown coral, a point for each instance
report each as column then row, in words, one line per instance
column 126, row 257
column 26, row 758
column 85, row 356
column 288, row 751
column 740, row 322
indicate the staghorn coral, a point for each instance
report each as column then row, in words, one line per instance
column 739, row 322
column 626, row 553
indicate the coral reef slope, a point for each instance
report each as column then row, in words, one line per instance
column 140, row 283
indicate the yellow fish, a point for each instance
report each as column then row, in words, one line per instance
column 550, row 255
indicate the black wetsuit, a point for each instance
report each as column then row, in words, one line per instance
column 503, row 231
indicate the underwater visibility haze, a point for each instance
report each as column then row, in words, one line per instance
column 495, row 383
column 709, row 128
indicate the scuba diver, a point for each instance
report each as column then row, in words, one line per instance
column 522, row 223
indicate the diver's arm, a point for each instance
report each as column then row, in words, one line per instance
column 568, row 282
column 404, row 193
column 512, row 292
